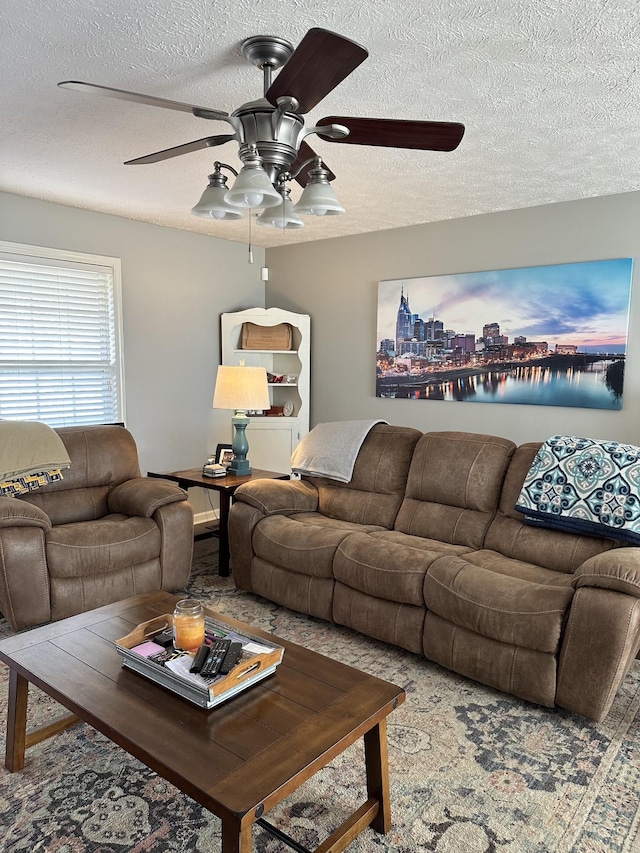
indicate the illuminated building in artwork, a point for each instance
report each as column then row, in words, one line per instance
column 404, row 321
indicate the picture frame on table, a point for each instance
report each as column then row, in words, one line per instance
column 224, row 455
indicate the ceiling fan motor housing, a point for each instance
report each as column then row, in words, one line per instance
column 276, row 135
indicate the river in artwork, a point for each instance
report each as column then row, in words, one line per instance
column 532, row 385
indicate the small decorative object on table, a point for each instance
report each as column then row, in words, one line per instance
column 188, row 625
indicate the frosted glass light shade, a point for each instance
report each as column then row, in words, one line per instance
column 319, row 199
column 252, row 188
column 241, row 388
column 282, row 216
column 212, row 204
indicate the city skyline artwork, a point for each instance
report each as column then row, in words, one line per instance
column 548, row 335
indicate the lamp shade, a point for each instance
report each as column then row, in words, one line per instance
column 252, row 188
column 241, row 388
column 282, row 216
column 319, row 199
column 213, row 205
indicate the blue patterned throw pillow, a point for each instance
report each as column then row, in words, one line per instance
column 584, row 485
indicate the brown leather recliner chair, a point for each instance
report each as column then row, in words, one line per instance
column 102, row 534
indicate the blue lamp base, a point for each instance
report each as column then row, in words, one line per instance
column 240, row 446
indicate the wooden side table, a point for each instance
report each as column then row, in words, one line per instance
column 226, row 487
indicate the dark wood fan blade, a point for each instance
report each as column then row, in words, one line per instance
column 207, row 142
column 391, row 133
column 306, row 152
column 321, row 61
column 136, row 97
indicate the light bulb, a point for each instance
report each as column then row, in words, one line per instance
column 318, row 211
column 253, row 199
column 218, row 213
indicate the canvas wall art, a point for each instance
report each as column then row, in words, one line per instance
column 549, row 335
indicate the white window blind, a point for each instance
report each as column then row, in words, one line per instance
column 59, row 337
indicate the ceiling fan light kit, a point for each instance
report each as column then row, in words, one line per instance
column 283, row 216
column 271, row 133
column 252, row 187
column 318, row 197
column 213, row 203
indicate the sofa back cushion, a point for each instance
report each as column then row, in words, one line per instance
column 376, row 489
column 552, row 549
column 454, row 486
column 101, row 457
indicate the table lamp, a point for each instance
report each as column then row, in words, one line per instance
column 240, row 388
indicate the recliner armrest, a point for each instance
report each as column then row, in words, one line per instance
column 17, row 513
column 618, row 569
column 143, row 495
column 273, row 497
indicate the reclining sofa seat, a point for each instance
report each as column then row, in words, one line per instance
column 549, row 616
column 102, row 534
column 285, row 536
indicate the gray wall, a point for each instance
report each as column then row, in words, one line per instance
column 335, row 281
column 175, row 285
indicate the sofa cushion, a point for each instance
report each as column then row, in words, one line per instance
column 108, row 544
column 304, row 543
column 375, row 492
column 553, row 549
column 499, row 564
column 388, row 564
column 454, row 487
column 504, row 607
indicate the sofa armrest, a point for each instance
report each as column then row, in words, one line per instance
column 143, row 495
column 618, row 569
column 17, row 513
column 273, row 497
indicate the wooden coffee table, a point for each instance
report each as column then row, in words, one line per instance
column 239, row 759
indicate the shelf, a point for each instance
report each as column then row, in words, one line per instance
column 267, row 351
column 273, row 438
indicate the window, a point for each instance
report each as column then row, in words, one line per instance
column 60, row 334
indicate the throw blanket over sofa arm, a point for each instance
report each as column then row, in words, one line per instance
column 602, row 635
column 24, row 583
column 254, row 501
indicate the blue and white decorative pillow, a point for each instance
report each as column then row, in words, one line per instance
column 584, row 485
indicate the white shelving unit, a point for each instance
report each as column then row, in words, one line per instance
column 272, row 440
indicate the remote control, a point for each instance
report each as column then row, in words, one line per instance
column 200, row 658
column 217, row 651
column 231, row 658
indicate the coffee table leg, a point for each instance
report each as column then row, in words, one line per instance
column 16, row 721
column 377, row 762
column 235, row 837
column 223, row 534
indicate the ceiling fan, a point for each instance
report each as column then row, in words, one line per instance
column 272, row 135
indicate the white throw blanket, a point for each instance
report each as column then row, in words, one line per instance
column 330, row 450
column 30, row 447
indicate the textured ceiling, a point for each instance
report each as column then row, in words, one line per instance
column 549, row 91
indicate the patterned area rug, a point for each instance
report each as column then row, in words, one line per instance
column 472, row 770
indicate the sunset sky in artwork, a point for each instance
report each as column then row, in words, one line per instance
column 585, row 304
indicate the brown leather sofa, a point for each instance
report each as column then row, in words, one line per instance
column 100, row 535
column 423, row 548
